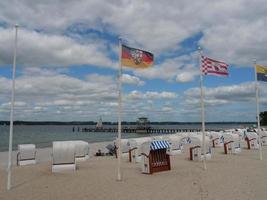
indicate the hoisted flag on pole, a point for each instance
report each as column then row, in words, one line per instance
column 213, row 67
column 136, row 58
column 261, row 73
column 208, row 66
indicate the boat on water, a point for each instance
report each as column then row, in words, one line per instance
column 142, row 125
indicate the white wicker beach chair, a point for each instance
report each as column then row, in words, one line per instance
column 216, row 140
column 264, row 137
column 252, row 140
column 124, row 148
column 63, row 156
column 138, row 143
column 194, row 148
column 232, row 143
column 26, row 154
column 175, row 142
column 81, row 150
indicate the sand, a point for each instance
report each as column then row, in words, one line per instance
column 231, row 177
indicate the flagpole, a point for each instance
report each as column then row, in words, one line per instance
column 257, row 105
column 119, row 113
column 12, row 111
column 202, row 112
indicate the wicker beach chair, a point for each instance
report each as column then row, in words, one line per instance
column 81, row 150
column 252, row 140
column 216, row 139
column 155, row 157
column 63, row 156
column 194, row 148
column 175, row 142
column 26, row 154
column 232, row 144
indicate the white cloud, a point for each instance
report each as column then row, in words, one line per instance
column 234, row 25
column 181, row 69
column 151, row 95
column 50, row 50
column 62, row 33
column 222, row 102
column 132, row 80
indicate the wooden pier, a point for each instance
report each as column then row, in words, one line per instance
column 133, row 130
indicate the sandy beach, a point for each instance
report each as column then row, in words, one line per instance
column 230, row 177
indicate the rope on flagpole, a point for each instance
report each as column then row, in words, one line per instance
column 12, row 112
column 258, row 109
column 202, row 112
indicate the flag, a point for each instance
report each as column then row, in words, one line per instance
column 213, row 67
column 136, row 58
column 261, row 73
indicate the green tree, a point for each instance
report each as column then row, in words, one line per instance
column 263, row 118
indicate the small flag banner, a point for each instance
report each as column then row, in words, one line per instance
column 213, row 67
column 261, row 73
column 136, row 58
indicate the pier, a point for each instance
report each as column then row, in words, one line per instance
column 133, row 130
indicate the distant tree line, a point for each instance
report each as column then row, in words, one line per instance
column 75, row 123
column 263, row 118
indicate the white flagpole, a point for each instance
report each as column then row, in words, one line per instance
column 119, row 113
column 12, row 111
column 258, row 110
column 202, row 112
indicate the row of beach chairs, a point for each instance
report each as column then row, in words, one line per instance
column 65, row 154
column 140, row 150
column 152, row 152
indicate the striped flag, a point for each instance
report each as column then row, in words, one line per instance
column 213, row 67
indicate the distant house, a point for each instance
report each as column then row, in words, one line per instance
column 142, row 125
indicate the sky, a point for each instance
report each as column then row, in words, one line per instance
column 67, row 59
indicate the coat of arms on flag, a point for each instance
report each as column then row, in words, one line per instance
column 136, row 58
column 213, row 67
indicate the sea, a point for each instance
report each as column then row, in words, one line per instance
column 43, row 135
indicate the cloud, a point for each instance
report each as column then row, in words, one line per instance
column 50, row 50
column 132, row 80
column 232, row 30
column 64, row 33
column 40, row 96
column 152, row 95
column 233, row 97
column 181, row 69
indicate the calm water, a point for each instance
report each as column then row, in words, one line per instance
column 43, row 135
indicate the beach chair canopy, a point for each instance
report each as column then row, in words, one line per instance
column 159, row 144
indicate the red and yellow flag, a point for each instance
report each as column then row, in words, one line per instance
column 136, row 58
